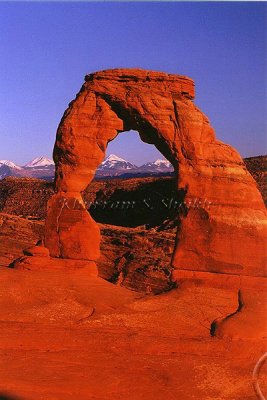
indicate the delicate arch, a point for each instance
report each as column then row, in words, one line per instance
column 160, row 107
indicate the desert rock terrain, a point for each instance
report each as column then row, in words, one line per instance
column 154, row 301
column 69, row 335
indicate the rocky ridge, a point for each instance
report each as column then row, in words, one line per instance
column 257, row 166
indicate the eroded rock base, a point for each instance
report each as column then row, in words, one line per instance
column 65, row 333
column 64, row 336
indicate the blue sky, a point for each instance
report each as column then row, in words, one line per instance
column 47, row 48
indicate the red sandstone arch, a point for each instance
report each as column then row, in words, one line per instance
column 225, row 234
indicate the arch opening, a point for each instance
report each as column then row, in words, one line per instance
column 140, row 187
column 134, row 120
column 138, row 214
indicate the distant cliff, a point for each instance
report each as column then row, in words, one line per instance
column 257, row 166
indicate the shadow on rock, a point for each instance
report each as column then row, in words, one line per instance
column 6, row 396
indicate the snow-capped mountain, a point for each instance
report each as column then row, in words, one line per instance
column 163, row 163
column 41, row 167
column 116, row 162
column 6, row 170
column 9, row 164
column 117, row 166
column 114, row 165
column 160, row 165
column 40, row 162
column 44, row 168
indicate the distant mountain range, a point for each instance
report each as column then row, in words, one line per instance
column 41, row 167
column 116, row 166
column 112, row 166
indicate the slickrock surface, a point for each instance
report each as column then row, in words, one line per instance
column 65, row 334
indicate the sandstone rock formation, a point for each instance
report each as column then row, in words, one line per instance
column 76, row 330
column 224, row 234
column 135, row 258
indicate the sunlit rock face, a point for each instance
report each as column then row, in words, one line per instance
column 222, row 226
